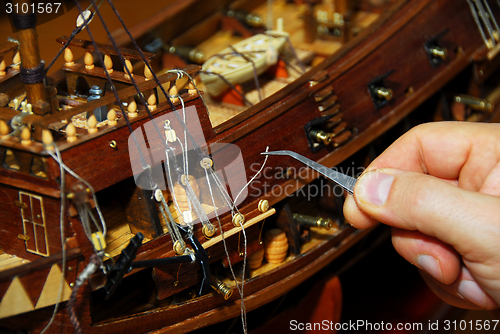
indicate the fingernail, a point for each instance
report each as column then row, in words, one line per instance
column 431, row 266
column 471, row 291
column 373, row 188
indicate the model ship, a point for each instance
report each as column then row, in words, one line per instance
column 145, row 178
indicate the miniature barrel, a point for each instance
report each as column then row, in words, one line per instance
column 255, row 260
column 275, row 245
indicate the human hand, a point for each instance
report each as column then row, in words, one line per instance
column 438, row 186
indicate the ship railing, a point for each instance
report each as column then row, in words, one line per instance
column 95, row 75
column 9, row 80
column 109, row 99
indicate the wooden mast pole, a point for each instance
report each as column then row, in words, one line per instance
column 30, row 56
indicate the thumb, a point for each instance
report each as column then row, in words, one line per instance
column 413, row 201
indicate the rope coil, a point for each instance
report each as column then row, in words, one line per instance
column 23, row 21
column 33, row 75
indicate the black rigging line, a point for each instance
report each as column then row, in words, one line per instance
column 146, row 63
column 141, row 96
column 115, row 92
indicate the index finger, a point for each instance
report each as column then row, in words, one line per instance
column 461, row 151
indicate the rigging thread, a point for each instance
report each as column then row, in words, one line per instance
column 253, row 178
column 63, row 240
column 245, row 242
column 240, row 290
column 103, row 228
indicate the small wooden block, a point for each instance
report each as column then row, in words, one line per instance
column 41, row 108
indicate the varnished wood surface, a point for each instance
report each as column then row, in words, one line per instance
column 344, row 59
column 30, row 58
column 7, row 47
column 9, row 233
column 257, row 291
column 397, row 45
column 35, row 266
column 350, row 85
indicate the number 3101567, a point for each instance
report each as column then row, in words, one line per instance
column 40, row 8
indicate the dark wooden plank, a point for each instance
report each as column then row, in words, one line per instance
column 7, row 114
column 7, row 47
column 40, row 264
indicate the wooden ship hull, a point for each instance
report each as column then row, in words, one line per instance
column 353, row 96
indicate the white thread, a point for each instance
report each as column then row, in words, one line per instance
column 253, row 178
column 191, row 80
column 185, row 149
column 172, row 184
column 243, row 308
column 70, row 171
column 170, row 222
column 63, row 241
column 223, row 192
column 242, row 303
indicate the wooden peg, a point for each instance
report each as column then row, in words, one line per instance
column 192, row 87
column 16, row 103
column 170, row 133
column 108, row 63
column 179, row 247
column 70, row 133
column 48, row 140
column 4, row 129
column 147, row 73
column 132, row 109
column 128, row 65
column 89, row 60
column 238, row 220
column 173, row 92
column 279, row 24
column 152, row 102
column 16, row 61
column 275, row 245
column 4, row 100
column 92, row 124
column 2, row 67
column 263, row 205
column 23, row 106
column 26, row 136
column 68, row 57
column 112, row 118
column 29, row 108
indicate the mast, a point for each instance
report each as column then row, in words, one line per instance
column 32, row 68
